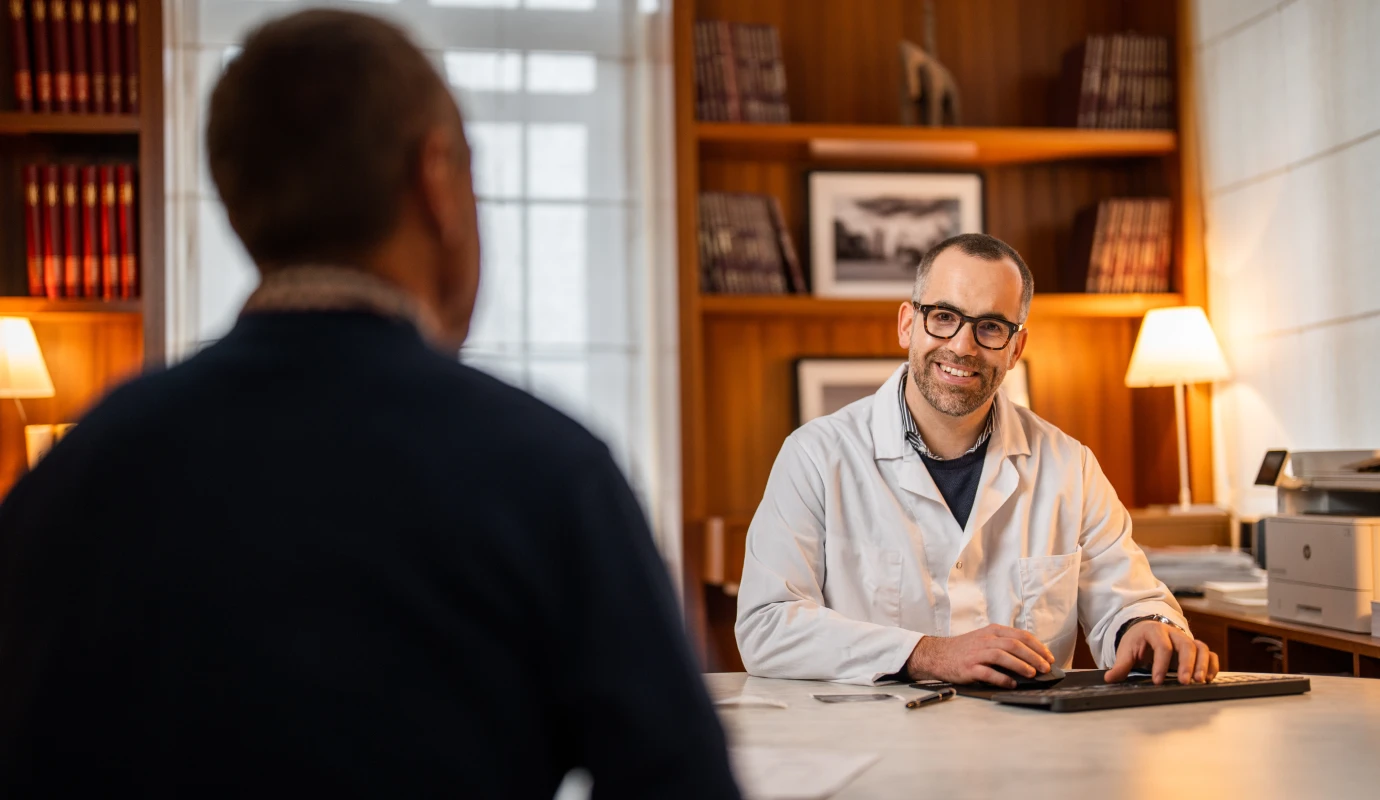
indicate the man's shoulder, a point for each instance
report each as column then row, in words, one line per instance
column 848, row 428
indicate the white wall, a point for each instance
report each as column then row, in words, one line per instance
column 1289, row 113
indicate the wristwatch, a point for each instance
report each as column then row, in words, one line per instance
column 1116, row 645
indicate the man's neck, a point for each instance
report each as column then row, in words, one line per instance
column 945, row 436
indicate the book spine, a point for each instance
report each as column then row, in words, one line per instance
column 62, row 60
column 52, row 233
column 727, row 61
column 43, row 75
column 1092, row 78
column 33, row 228
column 110, row 246
column 71, row 234
column 129, row 257
column 131, row 59
column 788, row 252
column 19, row 40
column 81, row 74
column 95, row 37
column 114, row 65
column 90, row 250
column 1097, row 252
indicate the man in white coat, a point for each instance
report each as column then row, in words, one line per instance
column 936, row 530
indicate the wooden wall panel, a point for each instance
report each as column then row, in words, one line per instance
column 842, row 63
column 87, row 355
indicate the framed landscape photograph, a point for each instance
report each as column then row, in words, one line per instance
column 869, row 230
column 825, row 385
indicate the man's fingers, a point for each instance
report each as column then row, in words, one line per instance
column 1200, row 662
column 1027, row 638
column 1187, row 650
column 1164, row 652
column 1022, row 651
column 1125, row 662
column 1212, row 667
column 1001, row 658
column 988, row 675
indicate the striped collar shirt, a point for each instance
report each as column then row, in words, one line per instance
column 913, row 432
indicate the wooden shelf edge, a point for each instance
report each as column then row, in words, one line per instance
column 960, row 146
column 42, row 306
column 1043, row 306
column 30, row 122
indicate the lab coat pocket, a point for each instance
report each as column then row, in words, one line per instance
column 1049, row 599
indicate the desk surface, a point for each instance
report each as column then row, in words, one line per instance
column 1321, row 744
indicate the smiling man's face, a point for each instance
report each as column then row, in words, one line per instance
column 957, row 376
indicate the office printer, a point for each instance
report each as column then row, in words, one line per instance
column 1323, row 548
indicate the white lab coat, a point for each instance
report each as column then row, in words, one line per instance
column 853, row 554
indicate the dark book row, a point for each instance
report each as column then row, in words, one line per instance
column 1121, row 245
column 75, row 56
column 1120, row 80
column 745, row 247
column 739, row 73
column 79, row 228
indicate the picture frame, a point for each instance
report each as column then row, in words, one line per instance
column 869, row 230
column 825, row 385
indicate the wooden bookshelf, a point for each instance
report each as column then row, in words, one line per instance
column 957, row 147
column 843, row 87
column 90, row 345
column 1131, row 306
column 24, row 123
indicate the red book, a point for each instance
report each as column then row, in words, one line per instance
column 95, row 34
column 115, row 96
column 129, row 259
column 81, row 76
column 23, row 79
column 110, row 270
column 52, row 234
column 132, row 56
column 71, row 234
column 62, row 64
column 33, row 228
column 90, row 253
column 43, row 75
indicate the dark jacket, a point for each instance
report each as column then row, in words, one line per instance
column 320, row 557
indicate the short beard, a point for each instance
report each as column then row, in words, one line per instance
column 949, row 399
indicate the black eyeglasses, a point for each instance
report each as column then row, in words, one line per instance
column 993, row 333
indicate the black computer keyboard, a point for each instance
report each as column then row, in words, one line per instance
column 1141, row 691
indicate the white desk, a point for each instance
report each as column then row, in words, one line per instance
column 1322, row 744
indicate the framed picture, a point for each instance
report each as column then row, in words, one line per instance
column 825, row 385
column 869, row 230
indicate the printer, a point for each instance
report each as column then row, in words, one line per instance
column 1322, row 550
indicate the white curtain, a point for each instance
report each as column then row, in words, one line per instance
column 568, row 108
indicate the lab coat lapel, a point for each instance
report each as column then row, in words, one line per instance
column 889, row 441
column 1000, row 479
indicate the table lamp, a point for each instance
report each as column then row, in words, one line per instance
column 22, row 371
column 1175, row 347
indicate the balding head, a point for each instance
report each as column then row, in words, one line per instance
column 314, row 134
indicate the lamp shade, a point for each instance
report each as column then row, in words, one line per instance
column 1176, row 345
column 22, row 371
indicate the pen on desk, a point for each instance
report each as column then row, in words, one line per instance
column 937, row 696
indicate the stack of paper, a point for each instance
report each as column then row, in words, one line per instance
column 1186, row 569
column 1246, row 594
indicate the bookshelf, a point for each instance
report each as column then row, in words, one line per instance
column 843, row 87
column 90, row 345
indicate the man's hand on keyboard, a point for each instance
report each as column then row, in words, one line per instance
column 1162, row 648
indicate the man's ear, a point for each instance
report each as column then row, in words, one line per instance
column 1016, row 348
column 437, row 178
column 905, row 324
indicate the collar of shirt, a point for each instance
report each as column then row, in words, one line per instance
column 327, row 288
column 913, row 433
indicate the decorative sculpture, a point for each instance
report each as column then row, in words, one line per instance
column 929, row 95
